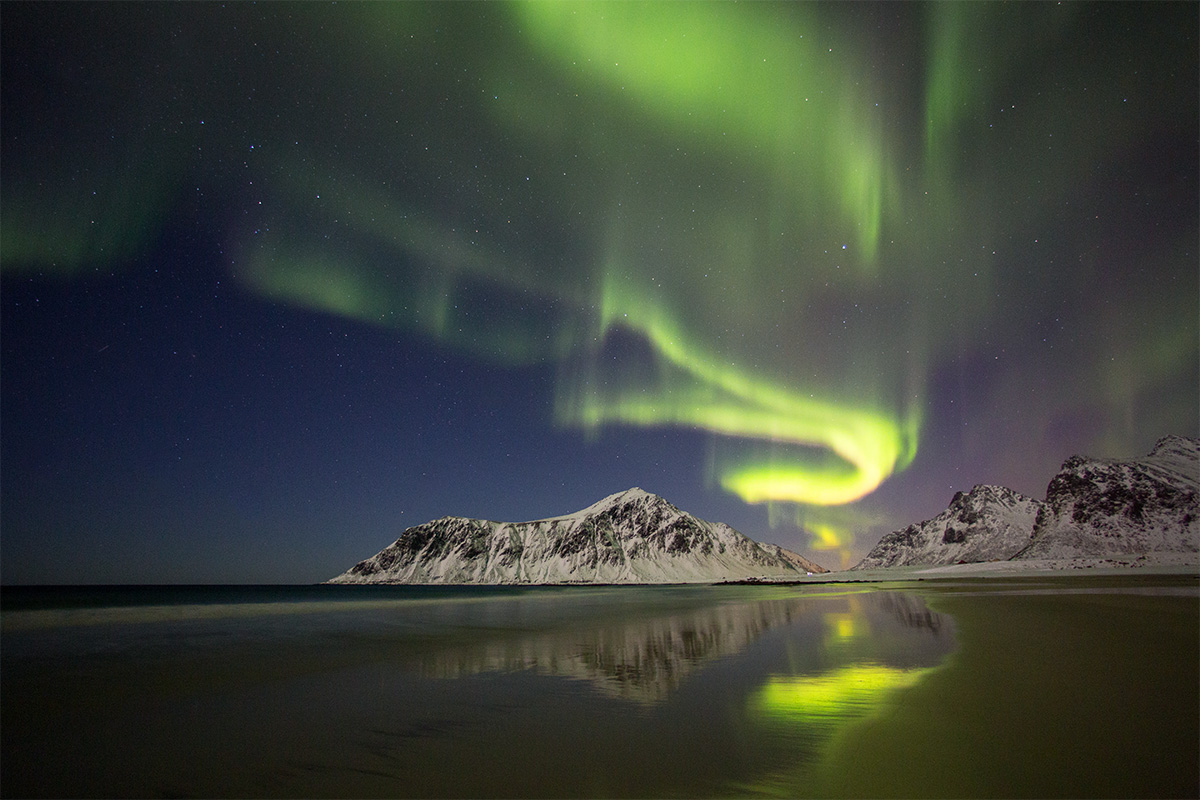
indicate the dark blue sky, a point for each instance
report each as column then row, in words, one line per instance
column 281, row 280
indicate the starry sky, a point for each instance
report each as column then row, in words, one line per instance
column 280, row 280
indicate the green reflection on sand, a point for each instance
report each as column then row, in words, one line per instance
column 1059, row 688
column 836, row 696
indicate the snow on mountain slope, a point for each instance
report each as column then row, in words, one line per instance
column 1100, row 507
column 989, row 523
column 795, row 559
column 629, row 537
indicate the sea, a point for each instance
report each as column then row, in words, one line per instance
column 1016, row 687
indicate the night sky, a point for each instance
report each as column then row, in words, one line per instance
column 281, row 280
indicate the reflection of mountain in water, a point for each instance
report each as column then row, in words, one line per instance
column 637, row 659
column 910, row 611
column 644, row 659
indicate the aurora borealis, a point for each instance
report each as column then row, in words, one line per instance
column 298, row 275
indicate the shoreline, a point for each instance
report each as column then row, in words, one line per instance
column 1173, row 565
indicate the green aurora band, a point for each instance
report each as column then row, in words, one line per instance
column 737, row 79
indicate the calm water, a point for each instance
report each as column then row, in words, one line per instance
column 986, row 688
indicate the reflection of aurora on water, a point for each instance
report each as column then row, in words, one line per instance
column 844, row 693
column 733, row 219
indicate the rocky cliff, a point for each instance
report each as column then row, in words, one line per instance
column 988, row 523
column 1099, row 507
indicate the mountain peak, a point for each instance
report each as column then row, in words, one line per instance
column 1175, row 443
column 1179, row 454
column 631, row 495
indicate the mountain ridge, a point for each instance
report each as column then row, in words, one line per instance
column 633, row 536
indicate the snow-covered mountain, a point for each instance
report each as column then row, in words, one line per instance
column 1098, row 507
column 629, row 537
column 988, row 523
column 1094, row 509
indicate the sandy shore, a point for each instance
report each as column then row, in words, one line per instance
column 1153, row 564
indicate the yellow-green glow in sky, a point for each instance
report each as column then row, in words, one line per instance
column 728, row 399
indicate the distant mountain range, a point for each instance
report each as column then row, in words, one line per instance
column 629, row 537
column 1146, row 509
